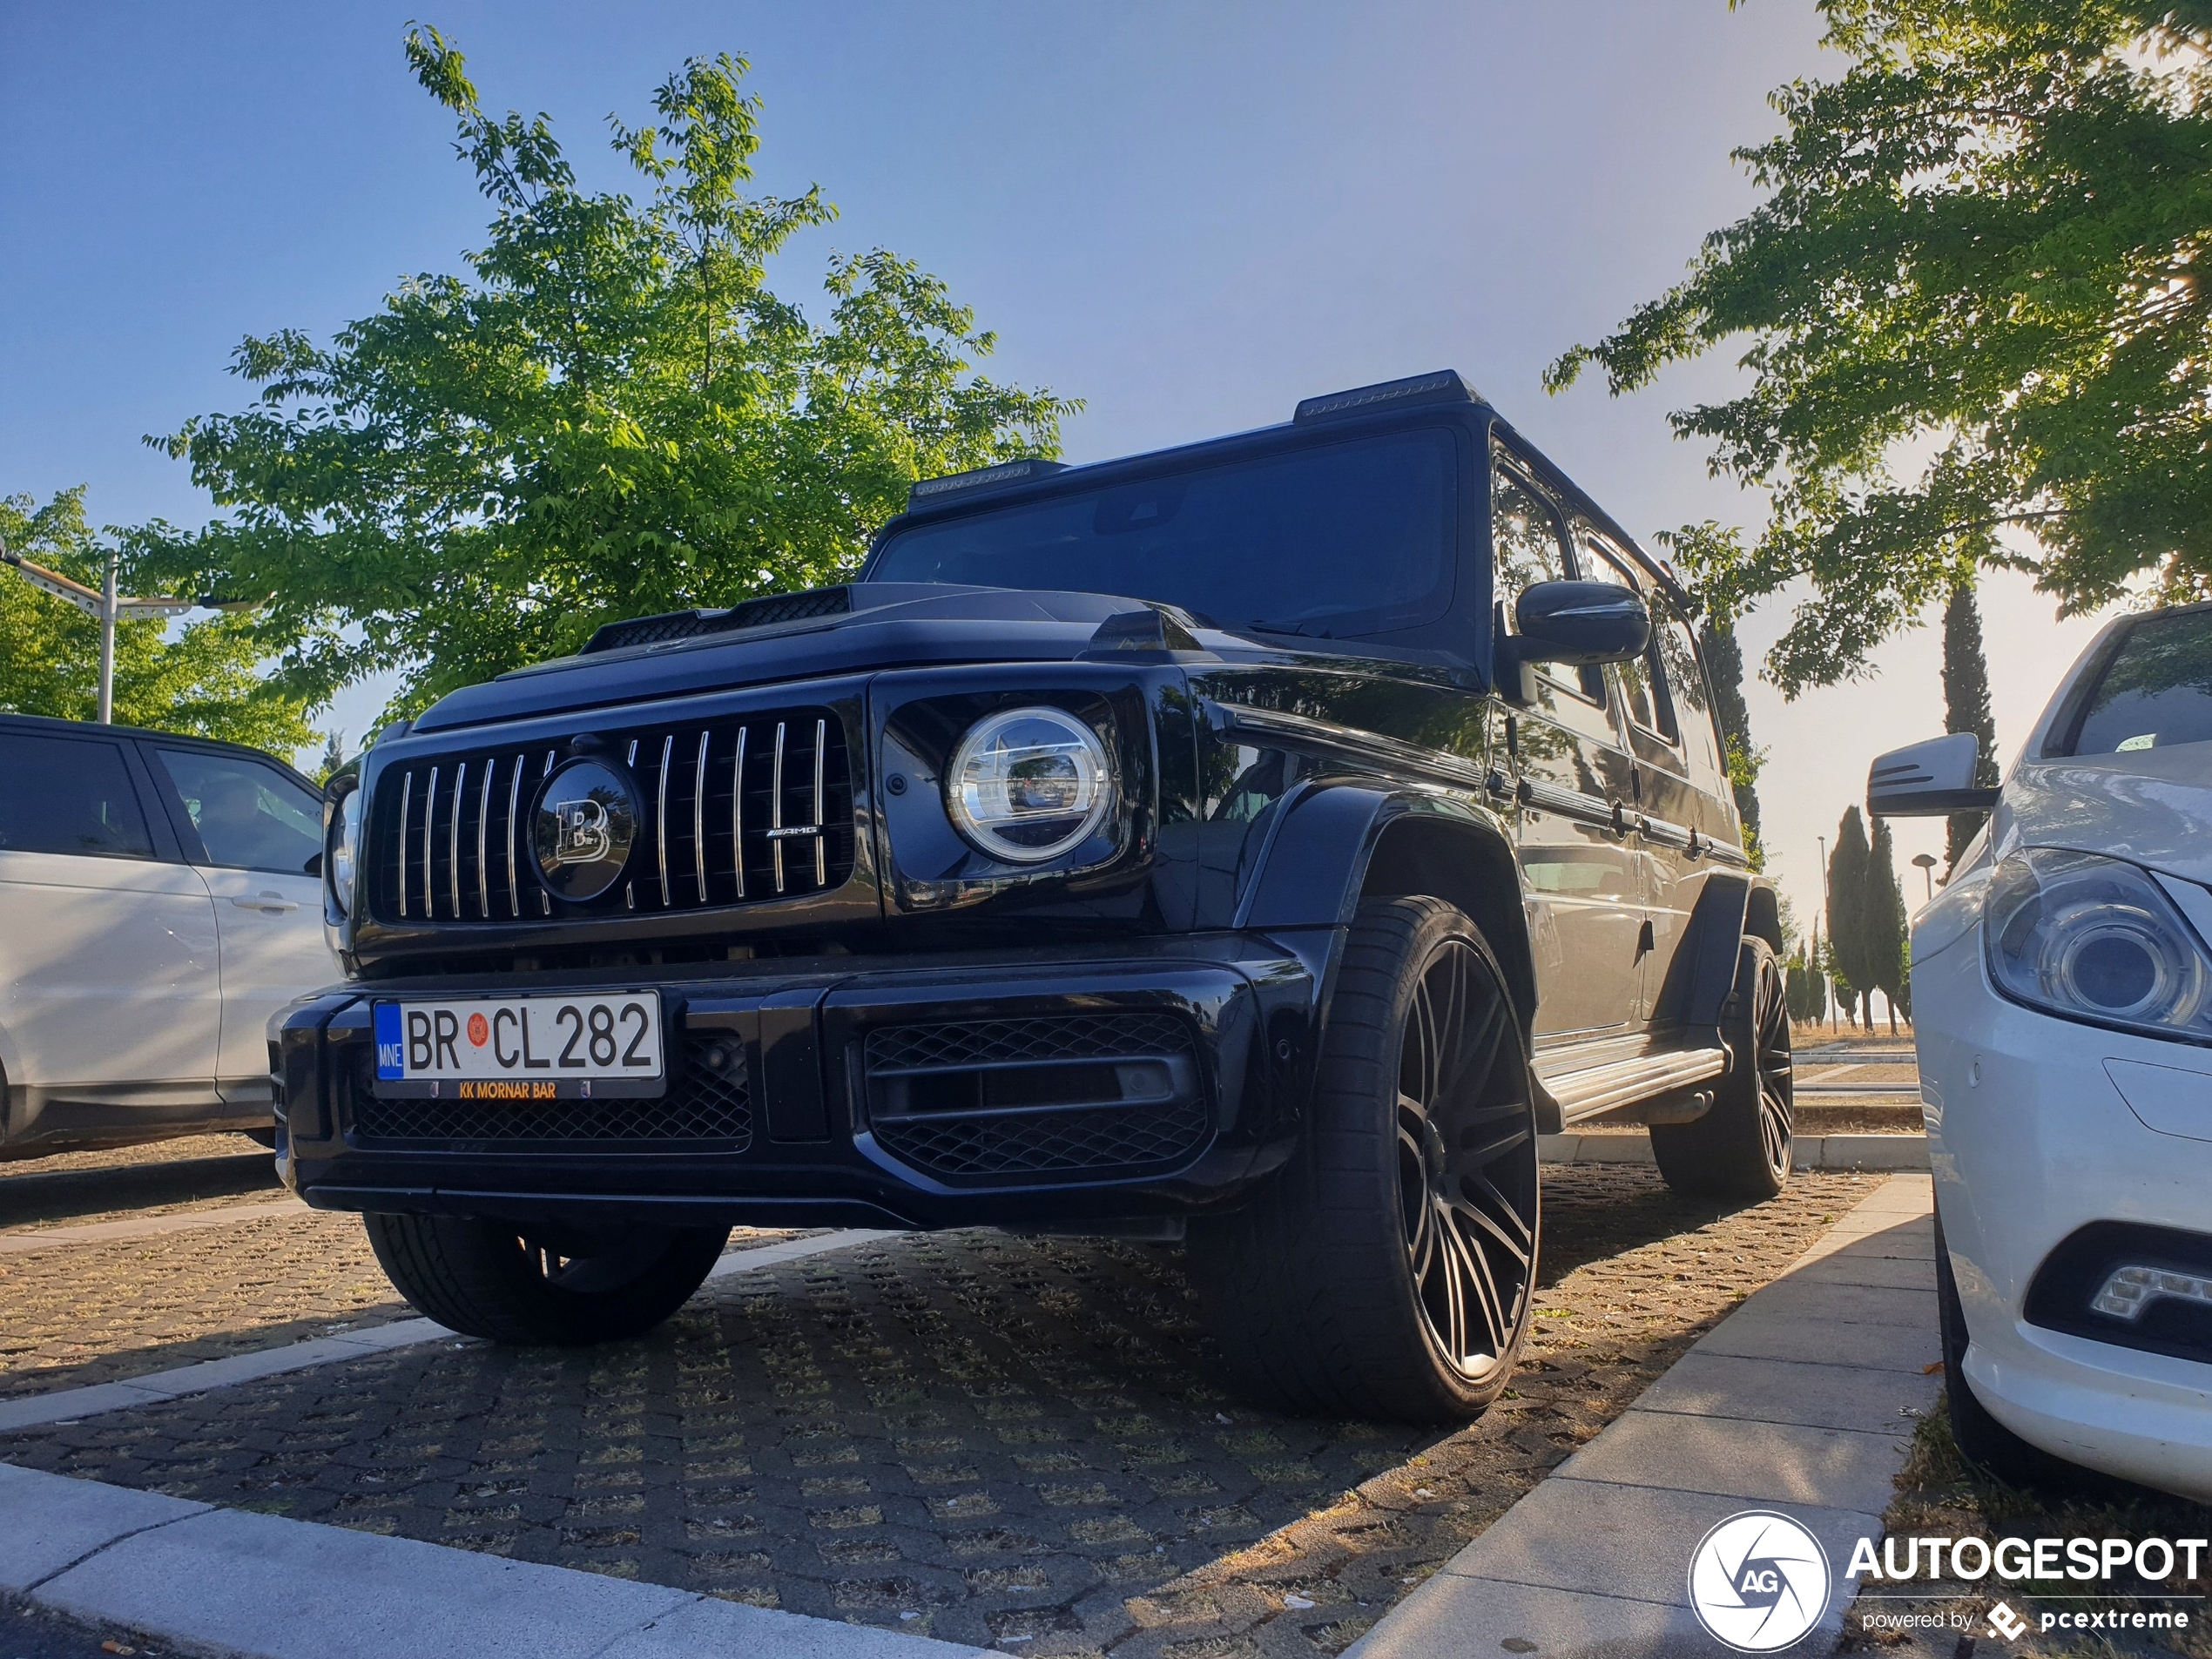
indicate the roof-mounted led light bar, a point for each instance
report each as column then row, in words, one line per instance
column 1007, row 472
column 1444, row 385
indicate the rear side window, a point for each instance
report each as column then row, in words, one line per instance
column 1692, row 702
column 248, row 816
column 69, row 795
column 2156, row 691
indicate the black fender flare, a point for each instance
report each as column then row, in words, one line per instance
column 1730, row 905
column 1332, row 841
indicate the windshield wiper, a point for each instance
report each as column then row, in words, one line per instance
column 1302, row 627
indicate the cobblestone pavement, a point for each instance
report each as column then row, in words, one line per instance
column 92, row 1312
column 983, row 1437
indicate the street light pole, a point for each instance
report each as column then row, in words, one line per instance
column 104, row 605
column 1828, row 991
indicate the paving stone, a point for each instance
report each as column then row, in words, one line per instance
column 1782, row 1463
column 48, row 1520
column 1632, row 1541
column 1461, row 1616
column 1703, row 1383
column 1843, row 1304
column 1005, row 1437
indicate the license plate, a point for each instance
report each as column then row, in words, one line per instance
column 520, row 1048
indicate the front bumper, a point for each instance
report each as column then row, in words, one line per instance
column 1156, row 1078
column 2031, row 1142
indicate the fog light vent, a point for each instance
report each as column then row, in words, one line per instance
column 2132, row 1289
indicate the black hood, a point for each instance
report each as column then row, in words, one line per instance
column 887, row 624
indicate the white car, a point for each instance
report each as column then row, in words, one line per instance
column 2062, row 995
column 161, row 898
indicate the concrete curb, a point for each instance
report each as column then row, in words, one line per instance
column 68, row 1405
column 15, row 1241
column 260, row 1586
column 1801, row 1402
column 1898, row 1152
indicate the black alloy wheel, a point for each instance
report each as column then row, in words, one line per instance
column 1467, row 1162
column 1740, row 1148
column 1388, row 1270
column 567, row 1287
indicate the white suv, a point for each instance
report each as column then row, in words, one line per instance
column 159, row 900
column 2062, row 995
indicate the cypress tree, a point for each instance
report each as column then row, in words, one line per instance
column 1724, row 666
column 1846, row 913
column 1882, row 923
column 1966, row 708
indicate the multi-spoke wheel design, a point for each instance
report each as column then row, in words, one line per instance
column 1467, row 1161
column 1388, row 1270
column 1740, row 1148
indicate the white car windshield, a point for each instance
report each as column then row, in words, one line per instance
column 2156, row 689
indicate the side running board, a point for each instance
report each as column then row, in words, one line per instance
column 1600, row 1088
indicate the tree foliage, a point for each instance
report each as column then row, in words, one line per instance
column 1853, row 963
column 205, row 681
column 1883, row 935
column 1966, row 708
column 1975, row 315
column 611, row 414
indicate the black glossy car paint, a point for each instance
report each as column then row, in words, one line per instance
column 1267, row 782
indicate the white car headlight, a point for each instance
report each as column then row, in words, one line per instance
column 2094, row 939
column 1029, row 785
column 345, row 845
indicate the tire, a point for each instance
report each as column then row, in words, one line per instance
column 1389, row 1269
column 1740, row 1148
column 1981, row 1439
column 559, row 1288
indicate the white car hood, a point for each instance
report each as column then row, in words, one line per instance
column 2152, row 807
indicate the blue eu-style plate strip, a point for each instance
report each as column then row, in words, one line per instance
column 390, row 1054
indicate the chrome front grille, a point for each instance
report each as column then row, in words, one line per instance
column 741, row 810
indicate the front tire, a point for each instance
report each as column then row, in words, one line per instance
column 1389, row 1269
column 1740, row 1148
column 561, row 1287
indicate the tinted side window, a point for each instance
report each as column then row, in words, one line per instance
column 249, row 816
column 69, row 795
column 1527, row 546
column 2155, row 693
column 1693, row 703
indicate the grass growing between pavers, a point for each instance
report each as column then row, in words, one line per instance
column 980, row 1438
column 1940, row 1496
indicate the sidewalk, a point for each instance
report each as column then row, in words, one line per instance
column 1801, row 1402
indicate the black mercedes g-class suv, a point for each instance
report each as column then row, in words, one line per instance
column 1259, row 842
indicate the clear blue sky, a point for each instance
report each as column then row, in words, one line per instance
column 1188, row 216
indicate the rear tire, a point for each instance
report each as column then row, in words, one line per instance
column 565, row 1287
column 1740, row 1148
column 1388, row 1270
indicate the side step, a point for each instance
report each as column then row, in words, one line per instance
column 1600, row 1088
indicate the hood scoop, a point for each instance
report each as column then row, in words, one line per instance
column 690, row 624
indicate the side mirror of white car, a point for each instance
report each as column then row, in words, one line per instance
column 1929, row 779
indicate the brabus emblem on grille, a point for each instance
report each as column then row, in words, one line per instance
column 581, row 834
column 585, row 824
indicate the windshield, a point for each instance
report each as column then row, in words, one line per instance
column 2156, row 691
column 1339, row 539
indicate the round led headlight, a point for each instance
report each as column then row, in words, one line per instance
column 1029, row 785
column 343, row 841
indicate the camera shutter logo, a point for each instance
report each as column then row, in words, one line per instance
column 585, row 823
column 1758, row 1582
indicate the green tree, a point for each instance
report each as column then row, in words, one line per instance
column 206, row 681
column 1966, row 708
column 1973, row 313
column 1882, row 930
column 1854, row 969
column 611, row 415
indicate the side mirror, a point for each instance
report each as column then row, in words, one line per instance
column 1931, row 779
column 1579, row 625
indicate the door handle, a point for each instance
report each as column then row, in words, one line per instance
column 265, row 901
